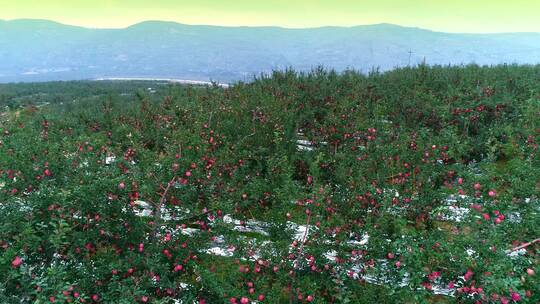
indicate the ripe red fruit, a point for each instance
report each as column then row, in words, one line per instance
column 47, row 172
column 309, row 298
column 95, row 297
column 244, row 300
column 530, row 271
column 17, row 261
column 260, row 298
column 477, row 186
column 468, row 275
column 121, row 185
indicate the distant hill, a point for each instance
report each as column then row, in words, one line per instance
column 39, row 50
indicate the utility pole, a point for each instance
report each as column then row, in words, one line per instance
column 410, row 55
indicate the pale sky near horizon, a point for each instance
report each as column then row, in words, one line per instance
column 466, row 16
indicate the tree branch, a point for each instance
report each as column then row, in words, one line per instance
column 523, row 245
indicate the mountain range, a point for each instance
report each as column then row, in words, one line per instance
column 41, row 50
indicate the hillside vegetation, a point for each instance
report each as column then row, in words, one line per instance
column 418, row 185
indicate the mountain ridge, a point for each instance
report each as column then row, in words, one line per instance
column 41, row 50
column 382, row 24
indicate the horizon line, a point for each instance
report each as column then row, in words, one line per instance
column 263, row 26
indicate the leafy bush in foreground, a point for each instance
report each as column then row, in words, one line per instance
column 416, row 185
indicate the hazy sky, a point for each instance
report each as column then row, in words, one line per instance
column 441, row 15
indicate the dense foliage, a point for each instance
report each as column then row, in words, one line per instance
column 411, row 186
